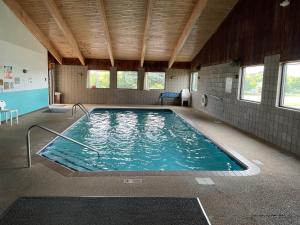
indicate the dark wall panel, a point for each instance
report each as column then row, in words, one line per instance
column 104, row 64
column 254, row 29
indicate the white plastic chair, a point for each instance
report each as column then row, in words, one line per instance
column 185, row 96
column 4, row 110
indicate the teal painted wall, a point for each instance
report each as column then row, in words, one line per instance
column 21, row 50
column 26, row 101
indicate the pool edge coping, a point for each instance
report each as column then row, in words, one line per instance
column 251, row 168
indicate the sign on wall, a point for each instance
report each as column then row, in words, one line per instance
column 9, row 79
column 228, row 84
column 1, row 78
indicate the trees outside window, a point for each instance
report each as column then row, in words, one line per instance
column 155, row 80
column 127, row 79
column 252, row 83
column 290, row 86
column 98, row 79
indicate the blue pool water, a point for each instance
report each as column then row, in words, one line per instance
column 138, row 140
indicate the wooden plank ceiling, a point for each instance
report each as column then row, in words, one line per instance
column 145, row 30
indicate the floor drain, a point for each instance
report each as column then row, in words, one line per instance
column 218, row 122
column 204, row 181
column 133, row 181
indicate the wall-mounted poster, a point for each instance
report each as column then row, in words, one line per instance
column 1, row 85
column 1, row 71
column 17, row 80
column 1, row 78
column 6, row 86
column 8, row 72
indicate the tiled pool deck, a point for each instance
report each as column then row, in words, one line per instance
column 268, row 194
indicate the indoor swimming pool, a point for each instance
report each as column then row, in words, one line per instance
column 138, row 140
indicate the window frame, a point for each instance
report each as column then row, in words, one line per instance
column 241, row 83
column 88, row 80
column 154, row 89
column 281, row 85
column 137, row 80
column 196, row 80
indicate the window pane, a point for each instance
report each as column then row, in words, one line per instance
column 195, row 81
column 98, row 79
column 252, row 81
column 127, row 79
column 291, row 86
column 155, row 80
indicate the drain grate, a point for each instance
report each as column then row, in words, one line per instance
column 204, row 181
column 133, row 181
column 218, row 122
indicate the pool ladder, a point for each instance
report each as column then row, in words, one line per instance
column 82, row 107
column 53, row 132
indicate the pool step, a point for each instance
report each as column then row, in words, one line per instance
column 73, row 161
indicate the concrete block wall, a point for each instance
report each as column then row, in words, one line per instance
column 72, row 82
column 265, row 120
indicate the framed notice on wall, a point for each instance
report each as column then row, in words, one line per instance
column 1, row 78
column 8, row 75
column 13, row 78
column 228, row 84
column 8, row 81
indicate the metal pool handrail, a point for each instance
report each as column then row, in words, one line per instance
column 53, row 132
column 82, row 107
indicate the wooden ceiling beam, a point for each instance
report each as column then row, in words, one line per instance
column 101, row 8
column 150, row 4
column 197, row 11
column 54, row 11
column 34, row 29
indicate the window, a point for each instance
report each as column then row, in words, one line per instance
column 290, row 86
column 98, row 79
column 127, row 79
column 194, row 85
column 155, row 80
column 251, row 83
